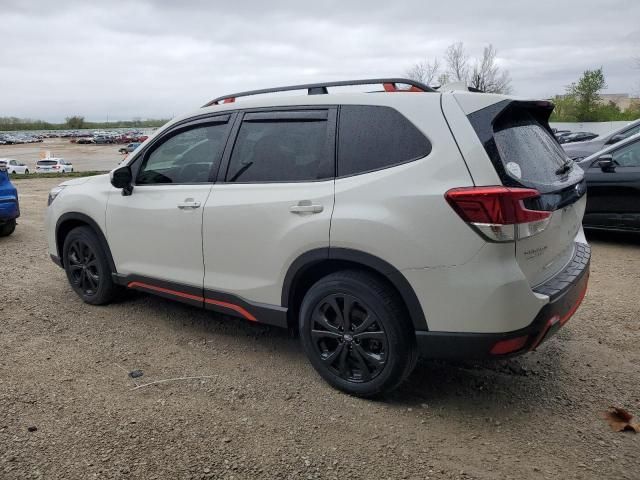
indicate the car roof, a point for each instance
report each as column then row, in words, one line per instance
column 622, row 143
column 618, row 130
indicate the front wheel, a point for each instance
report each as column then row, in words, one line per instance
column 26, row 172
column 87, row 267
column 8, row 228
column 357, row 334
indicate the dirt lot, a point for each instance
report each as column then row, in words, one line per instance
column 83, row 157
column 260, row 411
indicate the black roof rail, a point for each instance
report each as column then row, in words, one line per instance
column 389, row 85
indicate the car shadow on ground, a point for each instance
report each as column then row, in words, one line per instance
column 467, row 385
column 606, row 236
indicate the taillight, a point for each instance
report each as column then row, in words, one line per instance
column 499, row 212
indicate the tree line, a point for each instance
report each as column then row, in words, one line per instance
column 581, row 102
column 482, row 73
column 75, row 122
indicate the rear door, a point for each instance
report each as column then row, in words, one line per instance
column 272, row 202
column 524, row 152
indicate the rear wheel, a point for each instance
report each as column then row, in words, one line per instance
column 26, row 171
column 357, row 334
column 87, row 267
column 8, row 228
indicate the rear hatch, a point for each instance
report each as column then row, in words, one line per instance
column 518, row 140
column 46, row 164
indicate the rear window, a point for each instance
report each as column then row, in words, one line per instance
column 47, row 162
column 372, row 137
column 528, row 152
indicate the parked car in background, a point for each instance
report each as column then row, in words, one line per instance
column 9, row 204
column 13, row 166
column 577, row 137
column 365, row 251
column 129, row 148
column 53, row 165
column 578, row 151
column 613, row 184
column 559, row 133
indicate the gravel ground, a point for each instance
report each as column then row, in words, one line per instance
column 258, row 410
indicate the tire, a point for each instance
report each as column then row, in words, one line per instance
column 26, row 172
column 8, row 228
column 88, row 272
column 371, row 353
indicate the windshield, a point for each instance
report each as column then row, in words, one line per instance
column 47, row 162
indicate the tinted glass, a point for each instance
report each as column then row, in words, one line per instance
column 281, row 151
column 186, row 157
column 628, row 156
column 529, row 152
column 373, row 137
column 47, row 162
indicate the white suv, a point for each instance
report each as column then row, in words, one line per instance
column 53, row 165
column 13, row 166
column 379, row 225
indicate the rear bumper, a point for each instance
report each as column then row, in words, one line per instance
column 565, row 291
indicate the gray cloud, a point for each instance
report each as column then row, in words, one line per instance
column 159, row 57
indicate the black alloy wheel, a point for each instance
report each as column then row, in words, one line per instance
column 87, row 266
column 349, row 338
column 356, row 333
column 83, row 267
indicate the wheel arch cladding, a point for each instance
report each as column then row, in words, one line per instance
column 69, row 221
column 315, row 264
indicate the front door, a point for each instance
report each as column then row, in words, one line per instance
column 613, row 199
column 156, row 232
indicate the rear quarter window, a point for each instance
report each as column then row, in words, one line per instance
column 374, row 137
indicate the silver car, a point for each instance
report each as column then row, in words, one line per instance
column 579, row 150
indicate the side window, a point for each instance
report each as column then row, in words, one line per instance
column 372, row 137
column 186, row 156
column 628, row 156
column 283, row 147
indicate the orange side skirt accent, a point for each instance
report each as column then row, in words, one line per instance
column 197, row 298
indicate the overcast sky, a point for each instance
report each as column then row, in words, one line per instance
column 158, row 58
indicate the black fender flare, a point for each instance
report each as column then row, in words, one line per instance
column 82, row 218
column 308, row 259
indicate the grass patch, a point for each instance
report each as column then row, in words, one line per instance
column 90, row 173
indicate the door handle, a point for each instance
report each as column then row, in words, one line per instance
column 188, row 203
column 306, row 207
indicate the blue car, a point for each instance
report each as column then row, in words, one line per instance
column 9, row 206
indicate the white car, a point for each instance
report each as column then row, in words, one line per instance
column 380, row 225
column 14, row 166
column 53, row 165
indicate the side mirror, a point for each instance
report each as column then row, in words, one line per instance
column 123, row 178
column 615, row 139
column 607, row 163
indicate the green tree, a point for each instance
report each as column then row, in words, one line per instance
column 75, row 121
column 586, row 94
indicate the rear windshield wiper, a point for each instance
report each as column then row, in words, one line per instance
column 566, row 166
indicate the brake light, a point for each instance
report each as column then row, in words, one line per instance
column 498, row 213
